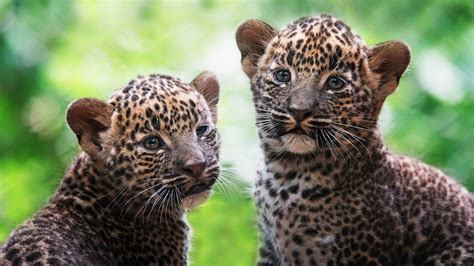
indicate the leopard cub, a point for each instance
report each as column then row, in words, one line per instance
column 149, row 154
column 330, row 192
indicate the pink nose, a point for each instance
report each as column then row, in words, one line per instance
column 194, row 170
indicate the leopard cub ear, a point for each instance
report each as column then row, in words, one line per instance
column 207, row 85
column 389, row 60
column 87, row 118
column 252, row 38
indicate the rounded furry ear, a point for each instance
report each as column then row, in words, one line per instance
column 252, row 38
column 206, row 84
column 87, row 118
column 389, row 60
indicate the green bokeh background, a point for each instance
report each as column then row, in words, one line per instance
column 52, row 52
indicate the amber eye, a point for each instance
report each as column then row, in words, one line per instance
column 153, row 143
column 282, row 75
column 336, row 83
column 203, row 130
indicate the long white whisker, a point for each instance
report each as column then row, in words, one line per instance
column 135, row 196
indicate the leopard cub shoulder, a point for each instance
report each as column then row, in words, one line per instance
column 148, row 154
column 330, row 192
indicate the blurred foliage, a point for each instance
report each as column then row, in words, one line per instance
column 52, row 52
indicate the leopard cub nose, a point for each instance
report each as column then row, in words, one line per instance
column 194, row 170
column 299, row 114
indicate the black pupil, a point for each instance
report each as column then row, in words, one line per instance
column 201, row 130
column 336, row 83
column 283, row 75
column 152, row 143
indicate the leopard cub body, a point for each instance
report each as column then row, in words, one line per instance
column 149, row 154
column 329, row 191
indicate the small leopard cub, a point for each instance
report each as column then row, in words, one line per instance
column 330, row 192
column 149, row 154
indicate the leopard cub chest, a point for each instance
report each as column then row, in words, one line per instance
column 306, row 221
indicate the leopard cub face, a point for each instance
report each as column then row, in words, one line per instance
column 316, row 85
column 156, row 139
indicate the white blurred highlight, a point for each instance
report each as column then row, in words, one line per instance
column 439, row 76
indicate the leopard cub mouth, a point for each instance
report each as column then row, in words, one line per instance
column 296, row 131
column 196, row 189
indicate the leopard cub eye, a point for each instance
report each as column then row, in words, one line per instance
column 153, row 143
column 282, row 75
column 335, row 83
column 203, row 130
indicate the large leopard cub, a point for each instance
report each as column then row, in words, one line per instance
column 149, row 154
column 330, row 192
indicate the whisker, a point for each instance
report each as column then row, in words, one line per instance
column 356, row 127
column 138, row 194
column 152, row 207
column 118, row 197
column 327, row 142
column 158, row 192
column 344, row 137
column 350, row 157
column 356, row 138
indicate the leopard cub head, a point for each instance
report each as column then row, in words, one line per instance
column 155, row 139
column 315, row 84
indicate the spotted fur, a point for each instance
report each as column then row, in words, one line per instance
column 121, row 203
column 329, row 191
